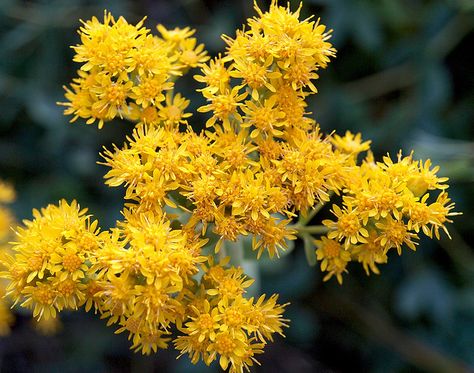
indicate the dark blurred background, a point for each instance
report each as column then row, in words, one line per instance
column 403, row 77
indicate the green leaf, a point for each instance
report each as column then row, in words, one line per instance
column 310, row 250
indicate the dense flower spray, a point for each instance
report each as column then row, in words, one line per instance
column 7, row 221
column 261, row 169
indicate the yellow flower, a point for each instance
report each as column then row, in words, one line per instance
column 205, row 324
column 50, row 256
column 176, row 35
column 292, row 103
column 348, row 227
column 255, row 75
column 189, row 344
column 442, row 210
column 151, row 342
column 231, row 285
column 421, row 215
column 235, row 150
column 223, row 106
column 41, row 298
column 215, row 75
column 264, row 118
column 172, row 113
column 228, row 227
column 111, row 96
column 68, row 261
column 150, row 90
column 350, row 143
column 231, row 348
column 70, row 293
column 145, row 60
column 394, row 234
column 333, row 256
column 370, row 253
column 106, row 45
column 274, row 235
column 253, row 197
column 144, row 337
column 426, row 179
column 190, row 54
column 264, row 317
column 124, row 66
column 81, row 100
column 223, row 325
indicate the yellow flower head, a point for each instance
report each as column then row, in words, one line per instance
column 126, row 70
column 51, row 258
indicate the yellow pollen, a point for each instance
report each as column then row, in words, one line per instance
column 218, row 77
column 133, row 325
column 93, row 288
column 216, row 273
column 87, row 242
column 254, row 76
column 332, row 249
column 348, row 224
column 230, row 286
column 420, row 213
column 261, row 118
column 44, row 295
column 205, row 322
column 67, row 287
column 224, row 345
column 71, row 262
column 35, row 262
column 150, row 89
column 223, row 106
column 115, row 93
column 396, row 231
column 17, row 272
column 387, row 199
column 233, row 318
column 115, row 62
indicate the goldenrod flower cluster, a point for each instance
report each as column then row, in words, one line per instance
column 386, row 205
column 126, row 72
column 50, row 259
column 226, row 324
column 139, row 276
column 7, row 221
column 189, row 197
column 263, row 161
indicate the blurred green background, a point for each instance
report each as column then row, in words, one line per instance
column 403, row 76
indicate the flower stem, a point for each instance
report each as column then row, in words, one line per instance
column 304, row 220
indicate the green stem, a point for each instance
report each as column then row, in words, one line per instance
column 223, row 251
column 235, row 249
column 304, row 220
